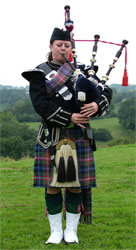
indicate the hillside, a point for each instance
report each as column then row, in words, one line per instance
column 115, row 128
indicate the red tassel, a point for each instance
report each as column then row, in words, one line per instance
column 70, row 57
column 125, row 78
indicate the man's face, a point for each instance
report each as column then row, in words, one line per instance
column 58, row 48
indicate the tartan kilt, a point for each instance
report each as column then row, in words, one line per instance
column 86, row 164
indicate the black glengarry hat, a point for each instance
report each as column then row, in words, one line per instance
column 59, row 34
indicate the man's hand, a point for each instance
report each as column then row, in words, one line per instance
column 89, row 109
column 80, row 119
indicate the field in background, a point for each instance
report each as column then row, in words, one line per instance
column 112, row 124
column 23, row 225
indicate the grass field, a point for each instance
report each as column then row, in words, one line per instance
column 23, row 225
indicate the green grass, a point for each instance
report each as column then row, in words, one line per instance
column 23, row 225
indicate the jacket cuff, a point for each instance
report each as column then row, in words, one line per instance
column 103, row 104
column 60, row 117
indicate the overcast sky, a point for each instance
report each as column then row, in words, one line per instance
column 26, row 27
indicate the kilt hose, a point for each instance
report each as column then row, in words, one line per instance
column 86, row 167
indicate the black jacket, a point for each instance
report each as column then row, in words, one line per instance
column 55, row 110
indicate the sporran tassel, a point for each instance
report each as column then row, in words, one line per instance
column 61, row 170
column 71, row 171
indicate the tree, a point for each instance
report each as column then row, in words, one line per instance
column 12, row 147
column 119, row 95
column 102, row 134
column 126, row 113
column 10, row 96
column 9, row 124
column 25, row 112
column 17, row 140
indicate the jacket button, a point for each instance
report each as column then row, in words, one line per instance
column 57, row 95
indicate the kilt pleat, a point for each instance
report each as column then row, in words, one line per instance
column 86, row 164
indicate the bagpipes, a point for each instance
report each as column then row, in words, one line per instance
column 88, row 86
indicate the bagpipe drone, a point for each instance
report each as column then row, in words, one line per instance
column 88, row 86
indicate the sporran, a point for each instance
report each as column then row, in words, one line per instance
column 65, row 174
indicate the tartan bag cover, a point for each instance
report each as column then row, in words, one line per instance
column 57, row 82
